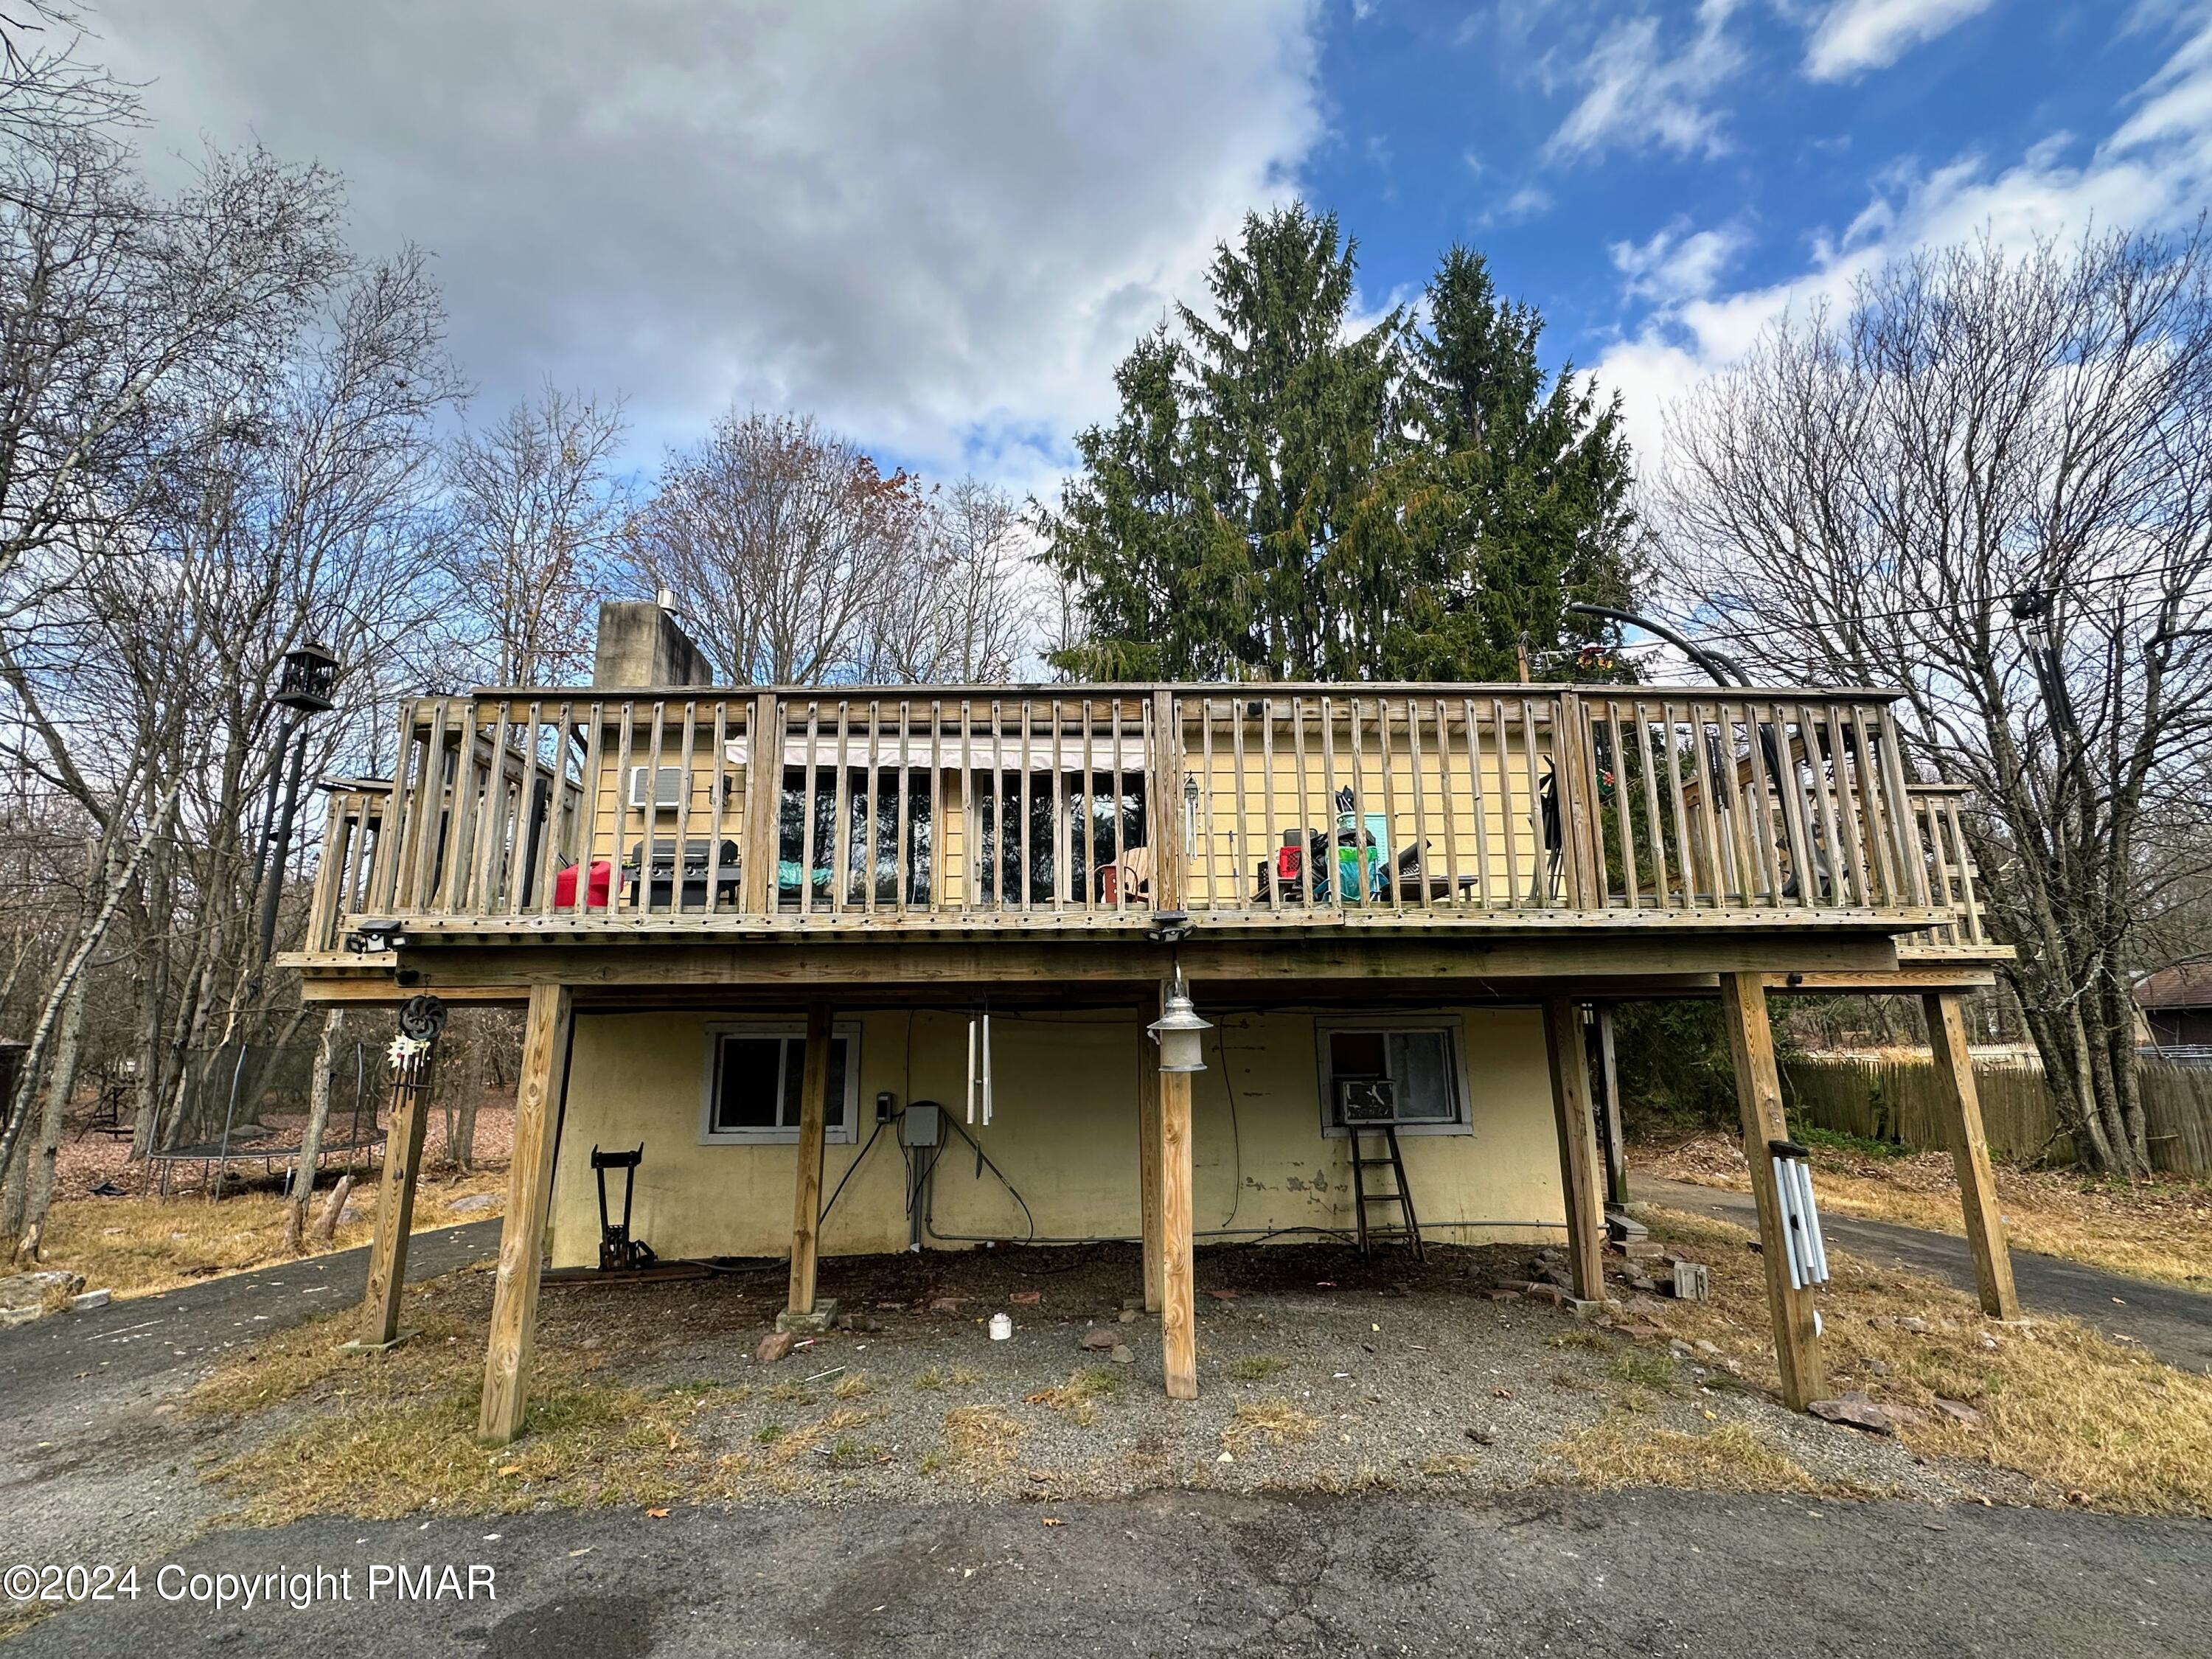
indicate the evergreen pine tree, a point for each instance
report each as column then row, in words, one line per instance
column 1285, row 497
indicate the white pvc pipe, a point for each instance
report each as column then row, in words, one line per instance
column 971, row 1068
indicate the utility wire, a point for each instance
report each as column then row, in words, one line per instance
column 1905, row 612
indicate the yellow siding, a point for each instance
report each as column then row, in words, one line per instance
column 1064, row 1132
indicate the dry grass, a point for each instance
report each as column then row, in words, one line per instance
column 386, row 1435
column 1078, row 1398
column 587, row 1445
column 1278, row 1422
column 137, row 1246
column 1621, row 1452
column 793, row 1443
column 981, row 1437
column 935, row 1377
column 2086, row 1419
column 2161, row 1229
column 401, row 1435
column 1446, row 1466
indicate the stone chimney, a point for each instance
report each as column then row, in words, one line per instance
column 641, row 646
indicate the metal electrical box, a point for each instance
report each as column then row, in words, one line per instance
column 921, row 1127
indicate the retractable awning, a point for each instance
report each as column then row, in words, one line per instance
column 956, row 752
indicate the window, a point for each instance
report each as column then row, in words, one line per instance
column 754, row 1070
column 1406, row 1073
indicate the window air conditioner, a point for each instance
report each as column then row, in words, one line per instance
column 666, row 784
column 1366, row 1099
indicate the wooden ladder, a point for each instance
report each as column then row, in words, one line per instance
column 1408, row 1226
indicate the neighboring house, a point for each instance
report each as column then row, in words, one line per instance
column 2175, row 1004
column 1393, row 907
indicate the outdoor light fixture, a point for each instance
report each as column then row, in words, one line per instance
column 305, row 680
column 1181, row 1033
column 1170, row 927
column 374, row 938
column 309, row 676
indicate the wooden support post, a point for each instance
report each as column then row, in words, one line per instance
column 1178, row 1313
column 1148, row 1163
column 1164, row 803
column 538, row 1096
column 1759, row 1097
column 1171, row 1155
column 1969, row 1155
column 806, row 1201
column 1572, row 1117
column 395, row 1204
column 1616, row 1140
column 763, row 821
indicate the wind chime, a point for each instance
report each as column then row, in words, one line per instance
column 978, row 1063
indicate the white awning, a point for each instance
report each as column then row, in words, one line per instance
column 956, row 752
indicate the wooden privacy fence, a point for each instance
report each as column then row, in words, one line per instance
column 1900, row 1101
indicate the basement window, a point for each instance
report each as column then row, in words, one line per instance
column 1407, row 1073
column 755, row 1070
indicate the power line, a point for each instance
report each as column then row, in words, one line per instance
column 1741, row 636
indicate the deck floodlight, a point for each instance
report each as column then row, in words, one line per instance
column 309, row 676
column 1180, row 1034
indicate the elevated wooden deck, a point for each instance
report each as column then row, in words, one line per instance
column 985, row 824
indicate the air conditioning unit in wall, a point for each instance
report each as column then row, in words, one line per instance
column 1366, row 1099
column 658, row 787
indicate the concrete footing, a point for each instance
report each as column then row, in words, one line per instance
column 809, row 1324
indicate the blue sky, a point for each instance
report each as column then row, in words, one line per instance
column 937, row 224
column 1451, row 124
column 1620, row 162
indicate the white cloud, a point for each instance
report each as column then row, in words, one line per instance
column 1677, row 264
column 2153, row 173
column 1529, row 202
column 936, row 225
column 1638, row 91
column 1855, row 35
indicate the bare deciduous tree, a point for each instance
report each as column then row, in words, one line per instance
column 113, row 304
column 1990, row 483
column 286, row 498
column 47, row 89
column 954, row 615
column 780, row 542
column 536, row 518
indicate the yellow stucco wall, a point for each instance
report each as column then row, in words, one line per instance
column 1064, row 1132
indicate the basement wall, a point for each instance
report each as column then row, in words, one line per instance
column 1064, row 1132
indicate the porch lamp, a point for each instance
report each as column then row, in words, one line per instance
column 1181, row 1033
column 309, row 675
column 305, row 680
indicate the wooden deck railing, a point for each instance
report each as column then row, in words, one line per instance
column 1941, row 839
column 1082, row 806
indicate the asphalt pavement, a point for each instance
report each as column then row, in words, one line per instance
column 1586, row 1574
column 140, row 1340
